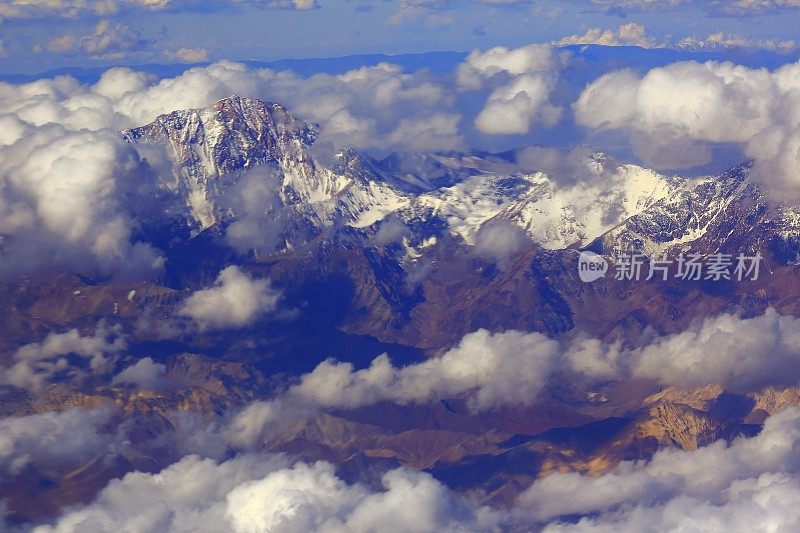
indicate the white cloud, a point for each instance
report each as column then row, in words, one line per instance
column 112, row 41
column 519, row 106
column 253, row 493
column 502, row 368
column 480, row 66
column 675, row 112
column 187, row 496
column 743, row 486
column 747, row 483
column 108, row 42
column 64, row 199
column 412, row 9
column 235, row 300
column 58, row 131
column 741, row 354
column 521, row 80
column 630, row 34
column 144, row 374
column 513, row 368
column 624, row 6
column 491, row 370
column 188, row 55
column 499, row 241
column 378, row 107
column 38, row 363
column 51, row 439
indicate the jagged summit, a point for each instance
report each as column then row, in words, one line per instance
column 232, row 134
column 212, row 146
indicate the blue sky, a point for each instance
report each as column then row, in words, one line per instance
column 36, row 38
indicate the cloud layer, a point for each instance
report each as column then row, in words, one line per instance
column 514, row 368
column 744, row 486
column 52, row 439
column 38, row 364
column 747, row 483
column 674, row 114
column 253, row 493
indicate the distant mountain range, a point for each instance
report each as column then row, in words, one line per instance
column 600, row 57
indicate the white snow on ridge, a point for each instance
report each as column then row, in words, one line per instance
column 554, row 216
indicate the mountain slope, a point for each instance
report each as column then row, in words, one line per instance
column 212, row 147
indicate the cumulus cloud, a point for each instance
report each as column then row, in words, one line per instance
column 264, row 493
column 189, row 495
column 51, row 439
column 747, row 483
column 144, row 374
column 521, row 82
column 744, row 485
column 413, row 9
column 108, row 42
column 112, row 41
column 65, row 201
column 501, row 368
column 39, row 363
column 70, row 183
column 630, row 34
column 235, row 300
column 740, row 354
column 490, row 369
column 378, row 107
column 675, row 113
column 188, row 55
column 514, row 368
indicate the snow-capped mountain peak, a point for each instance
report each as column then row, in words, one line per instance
column 212, row 147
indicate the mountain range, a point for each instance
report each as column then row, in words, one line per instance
column 404, row 254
